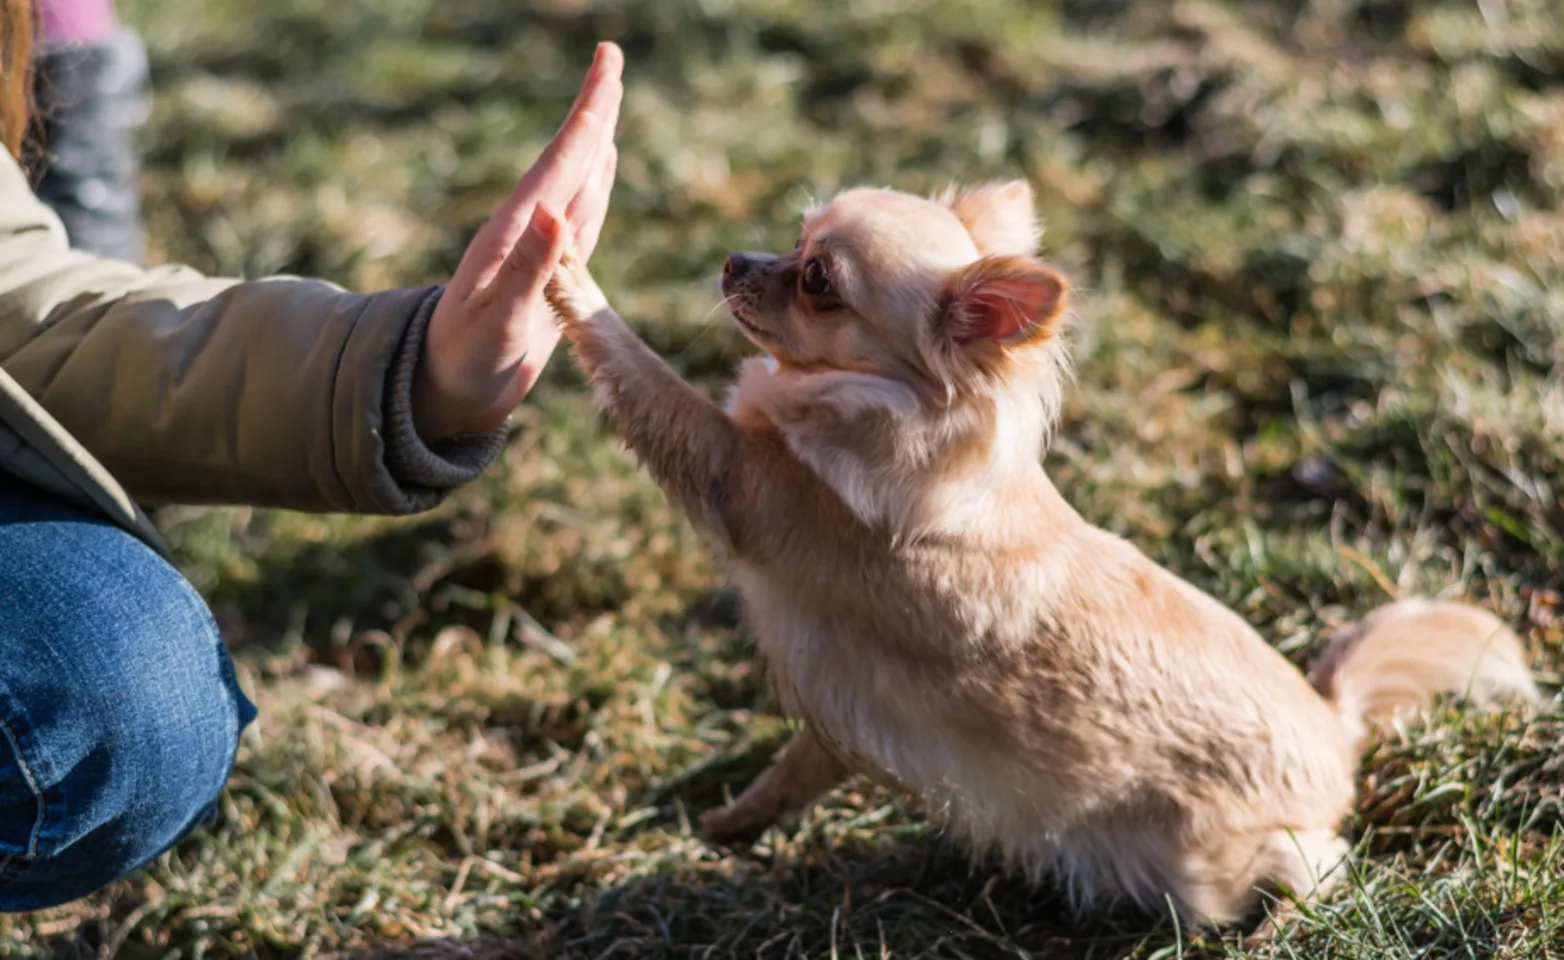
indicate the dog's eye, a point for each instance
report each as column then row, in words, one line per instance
column 814, row 281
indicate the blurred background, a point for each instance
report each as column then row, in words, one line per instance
column 1318, row 247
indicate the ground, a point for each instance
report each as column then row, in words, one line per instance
column 1320, row 320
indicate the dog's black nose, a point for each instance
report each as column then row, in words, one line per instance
column 739, row 264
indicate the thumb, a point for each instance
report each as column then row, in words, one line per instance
column 532, row 260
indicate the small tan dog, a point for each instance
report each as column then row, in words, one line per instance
column 936, row 614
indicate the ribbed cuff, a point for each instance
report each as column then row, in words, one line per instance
column 428, row 471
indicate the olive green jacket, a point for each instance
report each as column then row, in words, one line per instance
column 122, row 386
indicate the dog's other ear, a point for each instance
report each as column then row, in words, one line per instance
column 1000, row 217
column 1003, row 300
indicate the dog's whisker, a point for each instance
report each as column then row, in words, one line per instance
column 706, row 324
column 726, row 303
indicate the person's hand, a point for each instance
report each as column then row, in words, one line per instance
column 492, row 331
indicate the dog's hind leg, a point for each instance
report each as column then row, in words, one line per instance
column 805, row 770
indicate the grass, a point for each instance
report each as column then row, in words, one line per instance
column 1322, row 324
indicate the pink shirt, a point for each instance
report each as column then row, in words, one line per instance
column 74, row 21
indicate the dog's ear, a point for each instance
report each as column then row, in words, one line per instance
column 1000, row 217
column 1004, row 300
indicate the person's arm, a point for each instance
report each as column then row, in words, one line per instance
column 293, row 392
column 276, row 392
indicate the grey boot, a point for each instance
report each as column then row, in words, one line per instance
column 91, row 99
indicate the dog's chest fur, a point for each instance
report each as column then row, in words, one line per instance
column 919, row 671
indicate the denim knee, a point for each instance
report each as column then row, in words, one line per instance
column 119, row 714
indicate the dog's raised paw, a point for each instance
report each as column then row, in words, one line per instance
column 573, row 293
column 560, row 294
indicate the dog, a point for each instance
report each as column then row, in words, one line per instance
column 933, row 611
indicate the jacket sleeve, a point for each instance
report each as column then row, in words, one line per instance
column 280, row 392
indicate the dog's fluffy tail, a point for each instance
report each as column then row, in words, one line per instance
column 1402, row 655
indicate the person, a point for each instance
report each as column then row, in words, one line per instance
column 119, row 711
column 91, row 91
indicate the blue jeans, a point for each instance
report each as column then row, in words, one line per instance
column 119, row 712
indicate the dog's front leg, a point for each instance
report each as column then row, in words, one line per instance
column 690, row 446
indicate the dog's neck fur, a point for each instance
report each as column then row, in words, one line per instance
column 900, row 464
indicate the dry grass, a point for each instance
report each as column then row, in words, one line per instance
column 1319, row 357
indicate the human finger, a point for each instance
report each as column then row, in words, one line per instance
column 590, row 207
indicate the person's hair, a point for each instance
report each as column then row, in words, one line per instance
column 16, row 73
